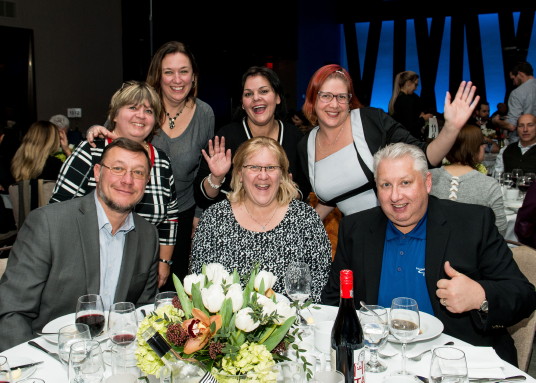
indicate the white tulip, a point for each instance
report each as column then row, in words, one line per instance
column 285, row 311
column 213, row 297
column 216, row 273
column 189, row 280
column 236, row 295
column 244, row 321
column 268, row 307
column 269, row 280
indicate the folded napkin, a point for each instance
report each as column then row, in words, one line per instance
column 483, row 362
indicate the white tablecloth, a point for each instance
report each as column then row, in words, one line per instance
column 52, row 371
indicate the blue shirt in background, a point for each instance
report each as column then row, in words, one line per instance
column 403, row 266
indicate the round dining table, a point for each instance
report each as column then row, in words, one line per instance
column 52, row 371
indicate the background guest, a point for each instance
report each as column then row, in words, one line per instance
column 262, row 221
column 406, row 106
column 336, row 156
column 525, row 226
column 298, row 119
column 481, row 119
column 520, row 154
column 461, row 181
column 135, row 113
column 522, row 99
column 262, row 113
column 34, row 158
column 67, row 147
column 186, row 126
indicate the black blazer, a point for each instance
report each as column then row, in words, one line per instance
column 463, row 234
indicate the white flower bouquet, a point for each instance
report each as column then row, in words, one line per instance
column 233, row 324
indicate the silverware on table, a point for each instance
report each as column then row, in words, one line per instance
column 516, row 378
column 50, row 353
column 45, row 333
column 25, row 365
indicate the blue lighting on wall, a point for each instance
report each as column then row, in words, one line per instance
column 491, row 51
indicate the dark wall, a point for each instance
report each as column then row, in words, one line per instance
column 226, row 39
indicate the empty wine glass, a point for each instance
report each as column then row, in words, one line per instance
column 85, row 362
column 448, row 365
column 404, row 324
column 67, row 335
column 164, row 298
column 297, row 282
column 499, row 176
column 375, row 331
column 5, row 370
column 90, row 310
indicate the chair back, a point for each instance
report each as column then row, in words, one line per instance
column 523, row 332
column 27, row 195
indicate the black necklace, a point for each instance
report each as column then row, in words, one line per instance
column 172, row 120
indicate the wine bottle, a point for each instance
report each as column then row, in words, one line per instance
column 347, row 344
column 179, row 370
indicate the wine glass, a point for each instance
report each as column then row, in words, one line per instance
column 90, row 310
column 85, row 362
column 375, row 331
column 67, row 335
column 499, row 176
column 508, row 180
column 404, row 324
column 122, row 323
column 164, row 298
column 448, row 365
column 516, row 173
column 297, row 282
column 531, row 176
column 5, row 370
column 523, row 184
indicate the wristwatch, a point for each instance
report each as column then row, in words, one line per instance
column 484, row 307
column 170, row 262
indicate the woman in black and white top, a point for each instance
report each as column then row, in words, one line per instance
column 261, row 221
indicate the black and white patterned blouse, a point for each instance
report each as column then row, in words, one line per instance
column 159, row 203
column 300, row 236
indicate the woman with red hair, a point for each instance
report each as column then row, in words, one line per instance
column 337, row 154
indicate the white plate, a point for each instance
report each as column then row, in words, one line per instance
column 431, row 327
column 56, row 324
column 25, row 372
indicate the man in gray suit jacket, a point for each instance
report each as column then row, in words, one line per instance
column 89, row 245
column 447, row 255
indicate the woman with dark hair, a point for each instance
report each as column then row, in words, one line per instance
column 261, row 221
column 337, row 155
column 460, row 180
column 405, row 105
column 262, row 113
column 187, row 124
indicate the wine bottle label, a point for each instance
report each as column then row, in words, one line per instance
column 359, row 365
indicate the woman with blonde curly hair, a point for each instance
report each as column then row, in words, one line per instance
column 34, row 157
column 261, row 221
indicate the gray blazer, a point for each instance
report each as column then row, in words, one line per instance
column 56, row 259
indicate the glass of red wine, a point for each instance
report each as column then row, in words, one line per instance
column 523, row 184
column 90, row 311
column 122, row 328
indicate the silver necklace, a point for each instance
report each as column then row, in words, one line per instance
column 172, row 119
column 258, row 223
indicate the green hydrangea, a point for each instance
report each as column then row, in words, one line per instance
column 160, row 319
column 252, row 359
